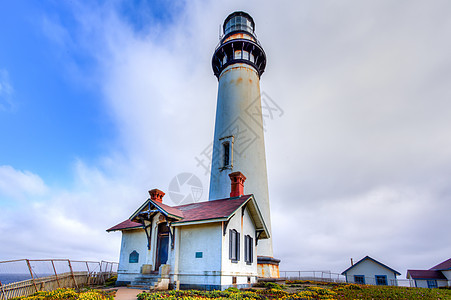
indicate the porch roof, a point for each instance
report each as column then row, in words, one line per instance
column 127, row 224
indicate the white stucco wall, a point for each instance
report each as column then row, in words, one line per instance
column 370, row 269
column 205, row 238
column 447, row 274
column 132, row 239
column 241, row 270
column 136, row 239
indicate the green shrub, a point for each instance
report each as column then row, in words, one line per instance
column 272, row 285
column 111, row 281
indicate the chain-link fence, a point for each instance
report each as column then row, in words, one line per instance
column 25, row 276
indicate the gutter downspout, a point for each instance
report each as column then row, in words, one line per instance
column 177, row 257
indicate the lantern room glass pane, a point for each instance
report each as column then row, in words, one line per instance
column 238, row 23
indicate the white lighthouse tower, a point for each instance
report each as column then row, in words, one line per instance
column 238, row 63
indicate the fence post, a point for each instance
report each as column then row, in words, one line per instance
column 56, row 275
column 72, row 273
column 89, row 274
column 31, row 273
column 3, row 291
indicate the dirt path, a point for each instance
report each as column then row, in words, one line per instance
column 124, row 293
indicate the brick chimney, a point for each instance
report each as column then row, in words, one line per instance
column 156, row 195
column 237, row 184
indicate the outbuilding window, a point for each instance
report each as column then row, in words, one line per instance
column 432, row 284
column 381, row 280
column 248, row 249
column 359, row 279
column 234, row 245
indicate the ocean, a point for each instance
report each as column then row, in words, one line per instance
column 9, row 278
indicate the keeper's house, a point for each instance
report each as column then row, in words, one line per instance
column 207, row 245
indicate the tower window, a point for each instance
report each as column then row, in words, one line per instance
column 225, row 153
column 226, row 147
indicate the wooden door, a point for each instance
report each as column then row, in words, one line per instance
column 162, row 245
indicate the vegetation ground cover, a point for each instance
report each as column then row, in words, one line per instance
column 299, row 289
column 302, row 289
column 70, row 294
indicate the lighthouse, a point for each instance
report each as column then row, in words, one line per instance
column 238, row 62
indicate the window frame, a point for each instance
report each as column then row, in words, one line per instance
column 432, row 284
column 357, row 279
column 224, row 142
column 381, row 277
column 234, row 245
column 248, row 249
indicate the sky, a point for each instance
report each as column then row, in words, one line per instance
column 101, row 101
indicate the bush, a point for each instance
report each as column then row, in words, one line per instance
column 111, row 281
column 272, row 285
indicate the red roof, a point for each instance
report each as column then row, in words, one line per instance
column 425, row 274
column 127, row 224
column 446, row 265
column 207, row 210
column 169, row 209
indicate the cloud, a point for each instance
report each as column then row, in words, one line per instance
column 18, row 184
column 6, row 91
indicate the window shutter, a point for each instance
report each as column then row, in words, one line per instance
column 251, row 250
column 230, row 244
column 237, row 246
column 246, row 247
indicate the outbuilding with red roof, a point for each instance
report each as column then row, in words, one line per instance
column 437, row 276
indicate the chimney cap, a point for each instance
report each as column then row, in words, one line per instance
column 237, row 184
column 237, row 174
column 156, row 195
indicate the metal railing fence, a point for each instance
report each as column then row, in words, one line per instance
column 23, row 277
column 328, row 276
